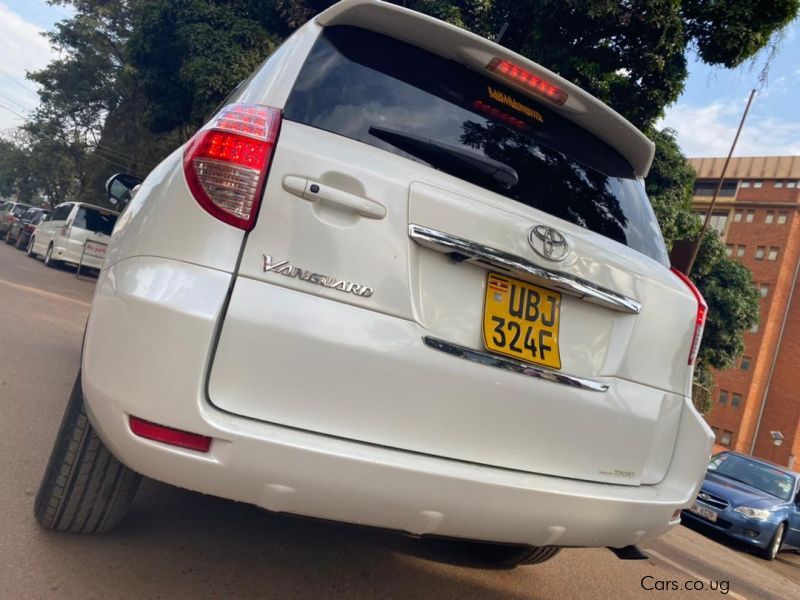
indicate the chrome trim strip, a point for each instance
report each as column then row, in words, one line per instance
column 515, row 366
column 481, row 255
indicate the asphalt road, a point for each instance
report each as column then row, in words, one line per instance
column 178, row 544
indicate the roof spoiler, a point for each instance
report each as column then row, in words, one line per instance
column 477, row 53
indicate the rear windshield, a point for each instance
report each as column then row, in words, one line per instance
column 405, row 100
column 19, row 210
column 95, row 220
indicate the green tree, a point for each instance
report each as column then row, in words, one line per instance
column 189, row 54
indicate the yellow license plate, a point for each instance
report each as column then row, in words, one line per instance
column 521, row 320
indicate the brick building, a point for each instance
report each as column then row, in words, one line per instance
column 758, row 216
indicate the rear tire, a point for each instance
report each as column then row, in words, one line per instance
column 29, row 250
column 49, row 261
column 84, row 488
column 19, row 244
column 8, row 237
column 502, row 555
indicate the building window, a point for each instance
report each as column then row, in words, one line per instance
column 758, row 184
column 760, row 250
column 736, row 400
column 770, row 217
column 778, row 184
column 740, row 251
column 737, row 216
column 723, row 396
column 708, row 187
column 729, row 250
column 745, row 184
column 782, row 216
column 725, row 440
column 763, row 290
column 773, row 253
column 791, row 184
column 716, row 432
column 754, row 328
column 718, row 222
column 745, row 364
column 749, row 216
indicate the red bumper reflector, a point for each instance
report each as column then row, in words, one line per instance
column 528, row 80
column 168, row 435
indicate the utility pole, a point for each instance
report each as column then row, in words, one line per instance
column 696, row 246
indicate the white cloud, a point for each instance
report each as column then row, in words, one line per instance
column 22, row 48
column 709, row 130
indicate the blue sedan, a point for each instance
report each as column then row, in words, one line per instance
column 750, row 500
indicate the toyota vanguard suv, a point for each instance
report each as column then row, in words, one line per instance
column 403, row 278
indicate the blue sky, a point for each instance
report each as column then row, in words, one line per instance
column 705, row 116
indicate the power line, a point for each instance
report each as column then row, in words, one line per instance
column 130, row 162
column 22, row 106
column 26, row 88
column 13, row 111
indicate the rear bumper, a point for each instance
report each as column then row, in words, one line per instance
column 72, row 257
column 150, row 332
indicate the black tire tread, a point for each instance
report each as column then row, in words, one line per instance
column 85, row 489
column 540, row 554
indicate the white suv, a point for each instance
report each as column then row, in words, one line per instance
column 405, row 278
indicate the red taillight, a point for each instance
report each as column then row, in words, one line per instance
column 700, row 317
column 528, row 80
column 168, row 435
column 226, row 162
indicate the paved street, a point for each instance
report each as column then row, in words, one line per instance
column 178, row 544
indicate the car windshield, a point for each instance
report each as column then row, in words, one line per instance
column 755, row 474
column 19, row 210
column 405, row 100
column 95, row 220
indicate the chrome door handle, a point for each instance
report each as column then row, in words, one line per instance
column 314, row 191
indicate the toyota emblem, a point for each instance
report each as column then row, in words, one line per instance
column 548, row 242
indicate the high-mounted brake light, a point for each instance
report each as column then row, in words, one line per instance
column 227, row 161
column 528, row 80
column 700, row 317
column 168, row 435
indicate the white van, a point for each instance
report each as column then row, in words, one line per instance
column 61, row 236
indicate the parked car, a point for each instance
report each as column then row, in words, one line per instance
column 61, row 235
column 404, row 278
column 9, row 215
column 20, row 232
column 750, row 500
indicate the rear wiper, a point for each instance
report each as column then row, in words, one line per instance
column 449, row 157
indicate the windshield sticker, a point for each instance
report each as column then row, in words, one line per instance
column 503, row 98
